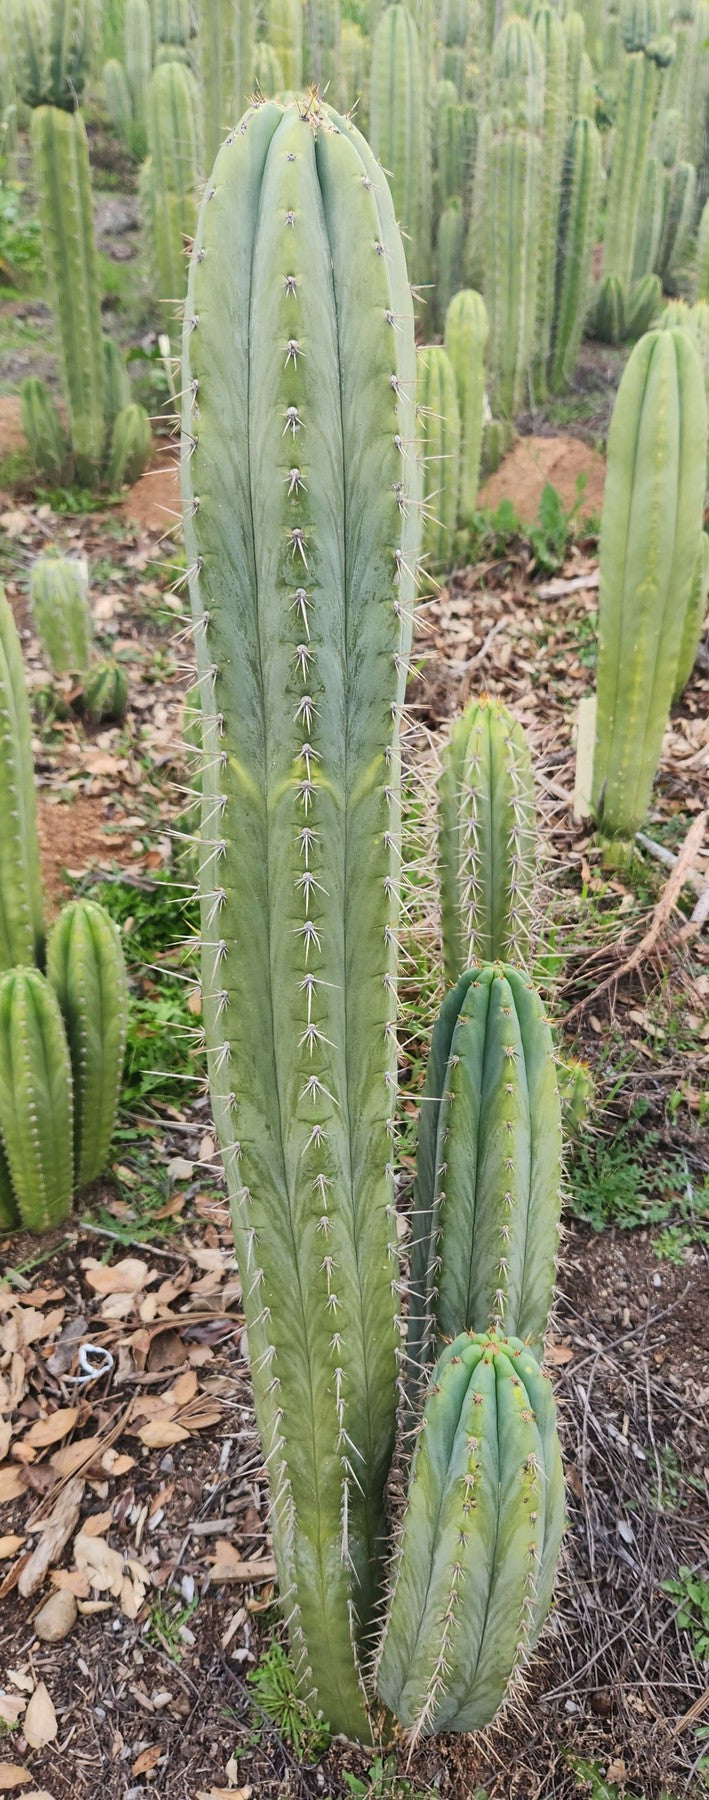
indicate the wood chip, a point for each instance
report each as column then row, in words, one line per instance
column 229, row 1566
column 56, row 1532
column 11, row 1483
column 148, row 1759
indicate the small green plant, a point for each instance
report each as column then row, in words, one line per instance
column 165, row 1626
column 615, row 1181
column 554, row 531
column 592, row 1782
column 277, row 1695
column 383, row 1782
column 691, row 1592
column 20, row 241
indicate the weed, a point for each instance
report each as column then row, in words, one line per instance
column 73, row 500
column 667, row 1494
column 384, row 1783
column 495, row 534
column 166, row 1626
column 691, row 1592
column 613, row 1181
column 591, row 1780
column 20, row 237
column 276, row 1695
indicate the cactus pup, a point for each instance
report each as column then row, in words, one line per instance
column 466, row 333
column 301, row 522
column 86, row 967
column 486, row 839
column 35, row 1099
column 21, row 921
column 652, row 517
column 59, row 596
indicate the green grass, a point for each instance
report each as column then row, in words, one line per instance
column 382, row 1782
column 495, row 535
column 165, row 1624
column 691, row 1592
column 276, row 1697
column 619, row 1179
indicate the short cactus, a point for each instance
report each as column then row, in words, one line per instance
column 465, row 337
column 439, row 421
column 577, row 1093
column 607, row 319
column 21, row 920
column 36, row 1106
column 131, row 444
column 486, row 840
column 87, row 971
column 480, row 1539
column 59, row 597
column 578, row 218
column 105, row 695
column 485, row 1229
column 652, row 517
column 642, row 305
column 46, row 438
column 118, row 389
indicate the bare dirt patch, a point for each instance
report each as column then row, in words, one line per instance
column 153, row 502
column 534, row 461
column 74, row 839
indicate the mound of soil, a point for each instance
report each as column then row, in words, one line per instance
column 534, row 461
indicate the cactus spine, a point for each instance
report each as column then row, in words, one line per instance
column 60, row 158
column 486, row 839
column 302, row 590
column 487, row 1198
column 86, row 967
column 552, row 38
column 439, row 421
column 652, row 516
column 59, row 595
column 466, row 334
column 480, row 1538
column 578, row 217
column 35, row 1099
column 21, row 921
column 398, row 129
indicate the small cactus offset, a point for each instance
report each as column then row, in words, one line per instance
column 36, row 1103
column 130, row 447
column 652, row 517
column 398, row 132
column 480, row 1538
column 118, row 389
column 301, row 524
column 59, row 596
column 577, row 1093
column 439, row 423
column 486, row 840
column 86, row 968
column 105, row 695
column 60, row 158
column 21, row 920
column 578, row 219
column 487, row 1198
column 46, row 438
column 466, row 334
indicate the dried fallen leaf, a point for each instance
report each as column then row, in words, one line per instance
column 242, row 1793
column 147, row 1759
column 12, row 1775
column 160, row 1434
column 107, row 1571
column 50, row 1430
column 10, row 1544
column 12, row 1707
column 40, row 1720
column 125, row 1277
column 57, row 1617
column 229, row 1566
column 11, row 1483
column 558, row 1354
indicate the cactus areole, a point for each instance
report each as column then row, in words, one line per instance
column 300, row 493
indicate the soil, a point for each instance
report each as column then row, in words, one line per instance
column 153, row 502
column 76, row 839
column 12, row 436
column 534, row 461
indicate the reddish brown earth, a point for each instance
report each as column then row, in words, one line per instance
column 534, row 461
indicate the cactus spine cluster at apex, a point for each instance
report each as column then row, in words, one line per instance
column 488, row 1176
column 652, row 515
column 480, row 1538
column 486, row 840
column 21, row 920
column 439, row 424
column 301, row 519
column 59, row 596
column 398, row 129
column 466, row 333
column 86, row 967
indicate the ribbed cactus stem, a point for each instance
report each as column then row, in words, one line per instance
column 578, row 219
column 398, row 129
column 487, row 1197
column 86, row 967
column 35, row 1099
column 285, row 32
column 439, row 425
column 486, row 840
column 480, row 1539
column 652, row 516
column 636, row 105
column 650, row 220
column 514, row 175
column 466, row 334
column 60, row 158
column 694, row 617
column 552, row 39
column 575, row 30
column 174, row 141
column 43, row 429
column 21, row 921
column 216, row 53
column 137, row 37
column 449, row 257
column 59, row 596
column 50, row 44
column 301, row 521
column 702, row 269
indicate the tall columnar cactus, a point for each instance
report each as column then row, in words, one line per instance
column 50, row 46
column 450, row 245
column 578, row 219
column 301, row 521
column 552, row 39
column 269, row 79
column 285, row 32
column 476, row 248
column 398, row 129
column 677, row 221
column 35, row 1099
column 702, row 267
column 636, row 105
column 650, row 219
column 575, row 30
column 449, row 145
column 439, row 421
column 693, row 618
column 172, row 23
column 485, row 1227
column 486, row 840
column 466, row 334
column 174, row 139
column 59, row 596
column 86, row 968
column 125, row 84
column 652, row 516
column 480, row 1539
column 60, row 158
column 510, row 288
column 518, row 76
column 323, row 23
column 216, row 67
column 21, row 921
column 353, row 72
